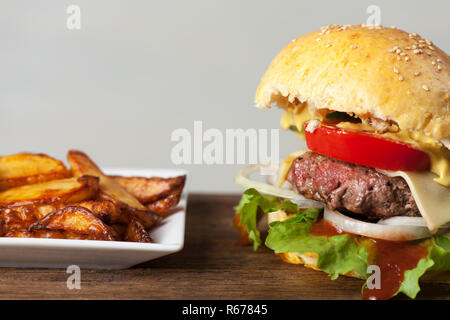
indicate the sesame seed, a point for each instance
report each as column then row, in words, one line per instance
column 318, row 39
column 439, row 67
column 327, row 45
column 431, row 47
column 398, row 51
column 425, row 87
column 403, row 54
column 417, row 73
column 433, row 62
column 396, row 70
column 353, row 47
column 400, row 78
column 428, row 53
column 406, row 58
column 417, row 51
column 391, row 50
column 408, row 48
column 414, row 46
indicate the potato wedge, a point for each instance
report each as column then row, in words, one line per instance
column 76, row 220
column 105, row 210
column 55, row 191
column 16, row 218
column 136, row 232
column 150, row 189
column 163, row 206
column 81, row 164
column 109, row 189
column 24, row 233
column 27, row 168
column 49, row 234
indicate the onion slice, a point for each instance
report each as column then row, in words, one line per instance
column 242, row 179
column 392, row 232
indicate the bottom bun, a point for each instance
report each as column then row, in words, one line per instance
column 309, row 260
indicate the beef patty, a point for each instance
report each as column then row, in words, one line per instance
column 346, row 186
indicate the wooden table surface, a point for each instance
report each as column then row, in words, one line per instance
column 211, row 266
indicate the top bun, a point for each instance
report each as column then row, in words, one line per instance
column 376, row 72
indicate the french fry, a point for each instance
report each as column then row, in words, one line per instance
column 136, row 232
column 26, row 168
column 150, row 189
column 55, row 191
column 75, row 220
column 163, row 206
column 109, row 189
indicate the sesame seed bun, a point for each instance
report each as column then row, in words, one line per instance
column 375, row 72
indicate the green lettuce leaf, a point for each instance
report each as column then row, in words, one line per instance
column 440, row 253
column 250, row 207
column 410, row 285
column 336, row 255
column 438, row 260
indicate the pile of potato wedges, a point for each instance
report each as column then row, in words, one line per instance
column 41, row 198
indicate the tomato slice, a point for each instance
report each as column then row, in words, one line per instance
column 366, row 149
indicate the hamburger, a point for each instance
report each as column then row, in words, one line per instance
column 370, row 195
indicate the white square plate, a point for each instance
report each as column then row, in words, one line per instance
column 93, row 254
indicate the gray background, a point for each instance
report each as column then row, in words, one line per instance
column 137, row 70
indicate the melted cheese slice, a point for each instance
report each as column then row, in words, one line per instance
column 432, row 199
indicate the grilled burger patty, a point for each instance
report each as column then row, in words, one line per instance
column 346, row 186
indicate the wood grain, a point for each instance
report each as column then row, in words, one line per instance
column 211, row 266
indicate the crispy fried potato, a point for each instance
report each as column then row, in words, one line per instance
column 136, row 232
column 24, row 233
column 76, row 220
column 26, row 168
column 42, row 210
column 49, row 234
column 16, row 218
column 120, row 229
column 55, row 191
column 109, row 189
column 146, row 217
column 105, row 210
column 150, row 189
column 163, row 206
column 81, row 164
